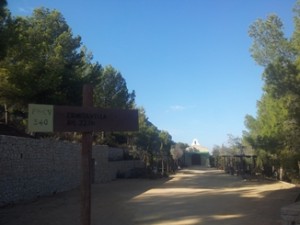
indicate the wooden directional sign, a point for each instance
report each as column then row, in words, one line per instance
column 52, row 118
column 85, row 119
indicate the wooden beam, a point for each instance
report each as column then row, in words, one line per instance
column 86, row 159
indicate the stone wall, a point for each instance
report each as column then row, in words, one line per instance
column 30, row 168
column 291, row 214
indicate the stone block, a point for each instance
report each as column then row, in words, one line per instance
column 30, row 168
column 291, row 214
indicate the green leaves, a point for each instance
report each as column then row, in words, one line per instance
column 281, row 78
column 276, row 128
column 269, row 42
column 4, row 27
column 112, row 92
column 42, row 61
column 45, row 63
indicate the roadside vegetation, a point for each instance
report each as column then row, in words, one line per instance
column 43, row 62
column 273, row 134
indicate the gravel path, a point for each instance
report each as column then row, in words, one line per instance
column 192, row 196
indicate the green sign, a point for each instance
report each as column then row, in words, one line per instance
column 40, row 118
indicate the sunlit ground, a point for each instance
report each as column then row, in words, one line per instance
column 191, row 197
column 188, row 200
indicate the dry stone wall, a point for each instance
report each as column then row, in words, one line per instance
column 291, row 214
column 30, row 168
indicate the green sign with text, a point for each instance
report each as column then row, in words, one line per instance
column 40, row 118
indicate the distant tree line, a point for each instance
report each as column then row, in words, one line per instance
column 274, row 133
column 42, row 62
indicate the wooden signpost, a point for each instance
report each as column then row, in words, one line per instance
column 85, row 119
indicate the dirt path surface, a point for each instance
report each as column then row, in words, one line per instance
column 194, row 196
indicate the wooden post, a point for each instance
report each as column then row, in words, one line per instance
column 86, row 119
column 86, row 158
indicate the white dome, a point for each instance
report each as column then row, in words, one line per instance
column 196, row 146
column 195, row 142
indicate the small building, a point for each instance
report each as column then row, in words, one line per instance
column 196, row 154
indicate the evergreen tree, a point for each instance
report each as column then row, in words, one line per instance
column 42, row 62
column 276, row 128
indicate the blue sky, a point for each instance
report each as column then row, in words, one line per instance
column 187, row 60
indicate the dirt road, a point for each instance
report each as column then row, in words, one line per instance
column 194, row 196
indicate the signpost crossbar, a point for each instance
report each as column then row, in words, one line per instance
column 85, row 119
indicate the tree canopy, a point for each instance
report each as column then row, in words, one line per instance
column 43, row 62
column 4, row 27
column 275, row 129
column 112, row 92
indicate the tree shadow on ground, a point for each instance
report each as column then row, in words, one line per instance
column 108, row 205
column 194, row 196
column 212, row 197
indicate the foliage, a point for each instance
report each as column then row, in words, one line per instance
column 146, row 140
column 150, row 144
column 274, row 132
column 269, row 42
column 177, row 151
column 112, row 92
column 4, row 27
column 42, row 62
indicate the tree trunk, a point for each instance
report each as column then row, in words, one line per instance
column 6, row 116
column 168, row 167
column 162, row 165
column 281, row 173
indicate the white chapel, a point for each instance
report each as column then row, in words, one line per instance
column 196, row 154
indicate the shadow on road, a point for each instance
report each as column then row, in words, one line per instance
column 192, row 196
column 198, row 196
column 108, row 205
